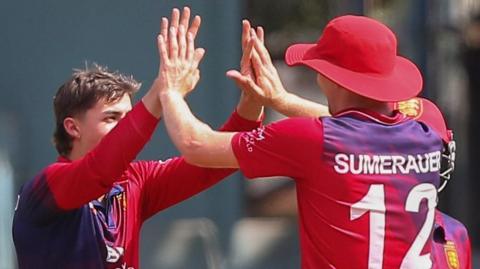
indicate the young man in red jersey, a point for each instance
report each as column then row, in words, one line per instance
column 86, row 210
column 366, row 177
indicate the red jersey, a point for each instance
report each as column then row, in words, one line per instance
column 58, row 222
column 366, row 185
column 451, row 245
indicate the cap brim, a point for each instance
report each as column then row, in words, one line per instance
column 404, row 82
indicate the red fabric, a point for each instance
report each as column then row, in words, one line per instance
column 451, row 246
column 427, row 112
column 334, row 233
column 280, row 148
column 148, row 186
column 74, row 184
column 360, row 54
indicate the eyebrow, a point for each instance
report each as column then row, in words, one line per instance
column 112, row 113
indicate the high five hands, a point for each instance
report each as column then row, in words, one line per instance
column 179, row 59
column 258, row 76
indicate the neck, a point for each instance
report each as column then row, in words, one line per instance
column 75, row 154
column 351, row 100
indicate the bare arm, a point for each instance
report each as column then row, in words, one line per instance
column 292, row 105
column 198, row 143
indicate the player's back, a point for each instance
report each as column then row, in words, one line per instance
column 369, row 200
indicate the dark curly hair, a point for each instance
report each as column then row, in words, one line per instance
column 81, row 92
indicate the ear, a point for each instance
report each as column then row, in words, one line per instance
column 72, row 127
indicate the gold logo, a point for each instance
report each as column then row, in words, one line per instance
column 412, row 108
column 451, row 255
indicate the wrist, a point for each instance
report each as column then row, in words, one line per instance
column 249, row 108
column 169, row 94
column 280, row 99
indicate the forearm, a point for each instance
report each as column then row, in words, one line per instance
column 292, row 105
column 151, row 101
column 249, row 109
column 198, row 143
column 185, row 130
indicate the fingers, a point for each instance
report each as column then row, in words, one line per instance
column 164, row 28
column 246, row 56
column 260, row 48
column 174, row 19
column 261, row 34
column 257, row 64
column 182, row 42
column 197, row 57
column 185, row 17
column 190, row 47
column 195, row 26
column 196, row 75
column 162, row 50
column 235, row 75
column 245, row 33
column 173, row 42
column 240, row 80
column 244, row 82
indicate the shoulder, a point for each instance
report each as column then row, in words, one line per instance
column 297, row 127
column 448, row 221
column 144, row 169
column 453, row 228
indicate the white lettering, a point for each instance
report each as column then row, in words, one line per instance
column 341, row 165
column 412, row 164
column 371, row 164
column 387, row 164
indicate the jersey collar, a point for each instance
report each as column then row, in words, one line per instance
column 63, row 159
column 366, row 114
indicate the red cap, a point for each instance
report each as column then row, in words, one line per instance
column 427, row 112
column 360, row 54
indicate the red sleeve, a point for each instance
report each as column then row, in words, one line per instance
column 285, row 148
column 237, row 123
column 75, row 183
column 170, row 182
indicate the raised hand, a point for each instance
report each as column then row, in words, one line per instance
column 179, row 59
column 265, row 86
column 259, row 78
column 245, row 61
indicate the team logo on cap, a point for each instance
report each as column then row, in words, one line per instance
column 412, row 108
column 451, row 255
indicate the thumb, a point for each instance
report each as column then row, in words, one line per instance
column 238, row 78
column 233, row 74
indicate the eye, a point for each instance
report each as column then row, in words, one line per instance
column 110, row 119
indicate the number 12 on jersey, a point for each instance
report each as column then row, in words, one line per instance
column 374, row 202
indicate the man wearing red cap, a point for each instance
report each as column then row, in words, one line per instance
column 366, row 177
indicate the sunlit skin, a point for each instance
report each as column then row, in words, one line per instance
column 89, row 128
column 340, row 98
